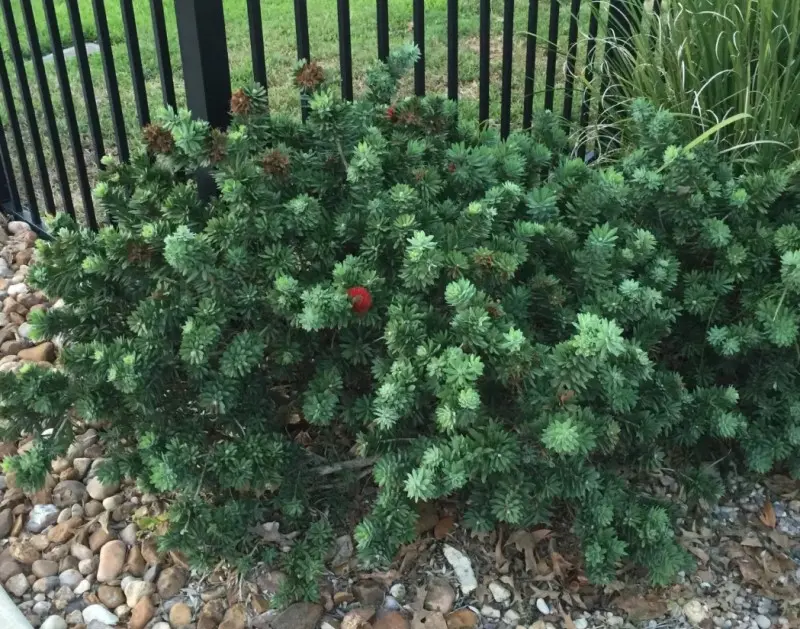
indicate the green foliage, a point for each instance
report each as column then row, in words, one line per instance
column 492, row 320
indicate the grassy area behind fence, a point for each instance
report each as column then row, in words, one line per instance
column 279, row 33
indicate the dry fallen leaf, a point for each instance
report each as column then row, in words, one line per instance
column 750, row 570
column 782, row 540
column 641, row 608
column 568, row 622
column 751, row 541
column 443, row 527
column 699, row 553
column 526, row 541
column 768, row 517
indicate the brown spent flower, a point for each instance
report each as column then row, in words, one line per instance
column 276, row 163
column 138, row 252
column 219, row 146
column 240, row 103
column 310, row 76
column 158, row 139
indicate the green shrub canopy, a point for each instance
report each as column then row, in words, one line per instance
column 492, row 320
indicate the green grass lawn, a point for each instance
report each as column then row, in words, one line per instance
column 279, row 34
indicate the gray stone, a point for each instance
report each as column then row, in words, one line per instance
column 128, row 534
column 91, row 49
column 298, row 616
column 75, row 617
column 17, row 585
column 68, row 493
column 54, row 622
column 44, row 568
column 46, row 584
column 40, row 517
column 42, row 608
column 70, row 578
column 763, row 622
column 99, row 491
column 6, row 519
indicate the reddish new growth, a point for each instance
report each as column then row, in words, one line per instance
column 240, row 103
column 451, row 167
column 219, row 146
column 158, row 139
column 310, row 76
column 361, row 299
column 276, row 163
column 391, row 113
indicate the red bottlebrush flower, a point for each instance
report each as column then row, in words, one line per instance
column 391, row 113
column 451, row 167
column 361, row 299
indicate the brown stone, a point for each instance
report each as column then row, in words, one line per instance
column 369, row 593
column 171, row 581
column 392, row 620
column 150, row 552
column 110, row 596
column 24, row 552
column 259, row 603
column 298, row 616
column 211, row 614
column 135, row 564
column 99, row 538
column 68, row 492
column 6, row 522
column 8, row 568
column 45, row 495
column 235, row 618
column 462, row 619
column 12, row 347
column 142, row 613
column 180, row 615
column 358, row 618
column 43, row 568
column 440, row 596
column 112, row 558
column 64, row 531
column 43, row 352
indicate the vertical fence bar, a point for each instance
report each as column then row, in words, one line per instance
column 69, row 111
column 552, row 52
column 204, row 55
column 27, row 103
column 382, row 9
column 591, row 48
column 47, row 106
column 572, row 52
column 303, row 46
column 419, row 40
column 257, row 41
column 162, row 52
column 76, row 28
column 110, row 72
column 8, row 183
column 452, row 49
column 135, row 61
column 483, row 71
column 22, row 154
column 345, row 49
column 508, row 55
column 530, row 64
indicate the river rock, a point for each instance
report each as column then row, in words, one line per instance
column 24, row 552
column 100, row 614
column 44, row 568
column 44, row 352
column 41, row 516
column 54, row 622
column 17, row 585
column 235, row 618
column 81, row 552
column 112, row 559
column 70, row 577
column 99, row 491
column 6, row 522
column 171, row 581
column 142, row 613
column 68, row 493
column 110, row 595
column 135, row 590
column 180, row 614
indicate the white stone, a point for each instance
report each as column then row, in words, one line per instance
column 100, row 613
column 763, row 622
column 135, row 590
column 398, row 591
column 695, row 611
column 490, row 612
column 500, row 593
column 580, row 623
column 54, row 622
column 542, row 606
column 40, row 517
column 17, row 227
column 83, row 587
column 128, row 534
column 511, row 617
column 462, row 567
column 161, row 625
column 15, row 290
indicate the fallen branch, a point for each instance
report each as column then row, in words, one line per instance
column 353, row 464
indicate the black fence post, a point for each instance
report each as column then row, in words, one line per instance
column 204, row 55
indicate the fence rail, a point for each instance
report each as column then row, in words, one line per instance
column 187, row 63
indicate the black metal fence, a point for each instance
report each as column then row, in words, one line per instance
column 202, row 62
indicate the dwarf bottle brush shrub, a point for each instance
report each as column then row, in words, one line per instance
column 491, row 319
